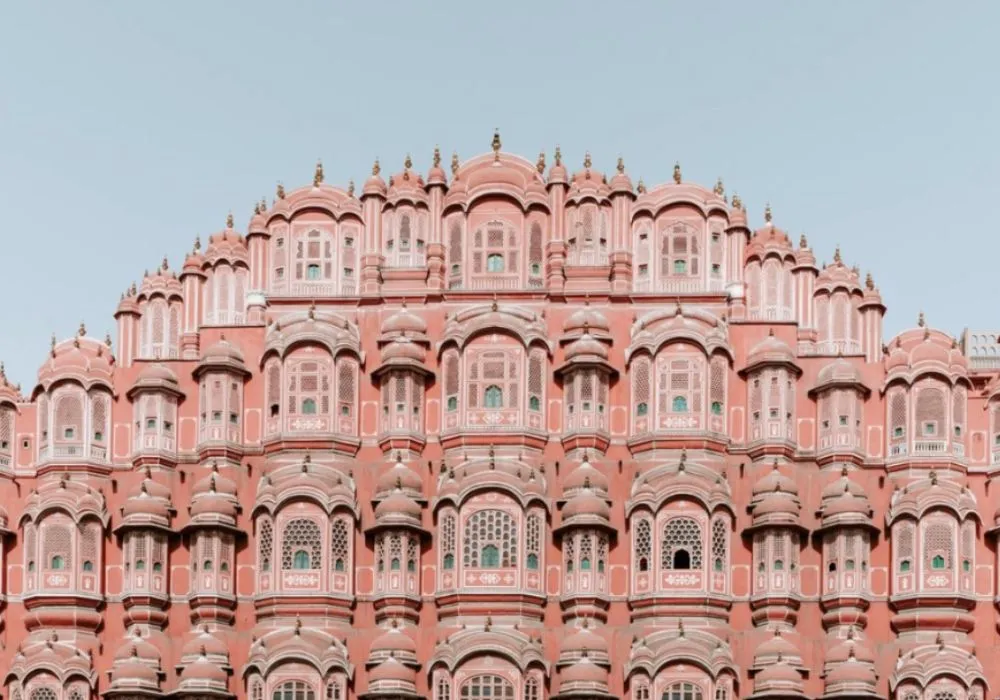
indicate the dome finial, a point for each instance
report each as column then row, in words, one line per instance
column 280, row 191
column 82, row 331
column 558, row 155
column 165, row 265
column 720, row 189
column 621, row 165
column 496, row 145
column 677, row 173
column 836, row 255
column 587, row 162
column 737, row 202
column 540, row 163
column 803, row 243
column 229, row 220
column 767, row 214
column 350, row 188
column 454, row 162
column 407, row 162
column 256, row 210
column 107, row 339
column 376, row 168
column 641, row 186
column 921, row 321
column 869, row 282
column 318, row 174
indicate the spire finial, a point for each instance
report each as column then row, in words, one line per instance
column 318, row 174
column 263, row 205
column 407, row 162
column 641, row 187
column 256, row 210
column 677, row 173
column 836, row 255
column 869, row 282
column 350, row 188
column 540, row 163
column 496, row 145
column 720, row 189
column 737, row 202
column 280, row 191
column 621, row 165
column 767, row 213
column 82, row 331
column 921, row 321
column 558, row 156
column 803, row 243
column 107, row 339
column 229, row 220
column 587, row 162
column 376, row 168
column 437, row 157
column 165, row 265
column 454, row 162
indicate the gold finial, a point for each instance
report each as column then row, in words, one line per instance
column 737, row 202
column 229, row 220
column 496, row 145
column 350, row 188
column 836, row 255
column 677, row 173
column 82, row 331
column 437, row 157
column 803, row 243
column 586, row 160
column 641, row 187
column 318, row 174
column 621, row 165
column 376, row 168
column 558, row 156
column 454, row 162
column 281, row 191
column 540, row 163
column 720, row 189
column 921, row 321
column 869, row 282
column 408, row 162
column 767, row 213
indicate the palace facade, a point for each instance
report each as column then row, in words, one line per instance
column 503, row 432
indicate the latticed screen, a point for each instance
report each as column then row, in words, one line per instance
column 493, row 379
column 455, row 253
column 938, row 546
column 346, row 386
column 300, row 545
column 535, row 250
column 643, row 544
column 930, row 412
column 904, row 543
column 339, row 545
column 720, row 545
column 448, row 540
column 490, row 540
column 487, row 687
column 293, row 690
column 265, row 543
column 69, row 418
column 681, row 547
column 43, row 693
column 533, row 540
column 58, row 546
column 640, row 386
column 682, row 691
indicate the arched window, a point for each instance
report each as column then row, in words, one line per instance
column 308, row 407
column 490, row 540
column 57, row 563
column 294, row 690
column 680, row 404
column 339, row 545
column 448, row 541
column 449, row 561
column 682, row 544
column 265, row 542
column 643, row 544
column 493, row 397
column 487, row 687
column 494, row 263
column 720, row 544
column 300, row 543
column 43, row 693
column 938, row 546
column 682, row 691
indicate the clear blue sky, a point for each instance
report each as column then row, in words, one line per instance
column 126, row 128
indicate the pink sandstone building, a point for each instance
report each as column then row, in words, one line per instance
column 504, row 432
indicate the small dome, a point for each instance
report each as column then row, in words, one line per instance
column 404, row 349
column 585, row 476
column 398, row 505
column 852, row 672
column 391, row 670
column 214, row 482
column 839, row 372
column 848, row 649
column 375, row 185
column 779, row 673
column 137, row 648
column 204, row 671
column 404, row 321
column 394, row 640
column 222, row 350
column 204, row 641
column 777, row 645
column 85, row 359
column 587, row 320
column 770, row 351
column 584, row 671
column 586, row 346
column 586, row 504
column 584, row 640
column 620, row 181
column 134, row 673
column 775, row 481
column 157, row 373
column 399, row 476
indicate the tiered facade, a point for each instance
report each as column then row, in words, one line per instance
column 504, row 432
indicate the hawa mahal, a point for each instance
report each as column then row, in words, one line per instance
column 507, row 432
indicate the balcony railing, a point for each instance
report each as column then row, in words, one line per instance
column 73, row 452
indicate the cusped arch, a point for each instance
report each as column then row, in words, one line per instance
column 522, row 482
column 325, row 486
column 658, row 486
column 655, row 330
column 329, row 330
column 317, row 648
column 929, row 494
column 514, row 646
column 524, row 325
column 77, row 500
column 695, row 647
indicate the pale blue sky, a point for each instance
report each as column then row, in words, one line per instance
column 126, row 128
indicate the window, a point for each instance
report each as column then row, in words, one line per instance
column 491, row 538
column 937, row 562
column 904, row 566
column 490, row 557
column 534, row 404
column 716, row 408
column 898, row 432
column 642, row 409
column 57, row 563
column 680, row 404
column 68, row 433
column 493, row 398
column 533, row 562
column 293, row 690
column 312, row 272
column 643, row 544
column 681, row 546
column 680, row 267
column 301, row 560
column 682, row 691
column 449, row 561
column 308, row 407
column 494, row 263
column 487, row 687
column 300, row 545
column 452, row 403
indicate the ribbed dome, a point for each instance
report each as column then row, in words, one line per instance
column 204, row 671
column 394, row 640
column 775, row 481
column 586, row 346
column 404, row 321
column 392, row 670
column 585, row 476
column 586, row 504
column 398, row 504
column 587, row 320
column 222, row 350
column 402, row 477
column 771, row 350
column 584, row 640
column 584, row 671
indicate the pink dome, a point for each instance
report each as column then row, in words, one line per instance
column 772, row 350
column 404, row 349
column 436, row 175
column 204, row 671
column 778, row 673
column 620, row 181
column 398, row 505
column 135, row 673
column 839, row 372
column 852, row 672
column 775, row 481
column 587, row 320
column 394, row 640
column 586, row 504
column 214, row 482
column 204, row 642
column 399, row 476
column 392, row 671
column 586, row 476
column 404, row 321
column 81, row 358
column 222, row 350
column 156, row 373
column 584, row 640
column 586, row 346
column 584, row 672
